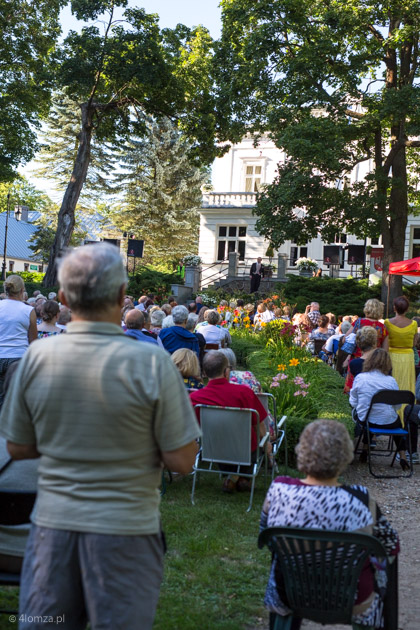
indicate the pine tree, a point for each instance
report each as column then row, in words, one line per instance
column 59, row 145
column 163, row 193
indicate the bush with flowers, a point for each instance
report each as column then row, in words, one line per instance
column 306, row 264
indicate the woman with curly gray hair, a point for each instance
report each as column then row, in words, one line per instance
column 319, row 501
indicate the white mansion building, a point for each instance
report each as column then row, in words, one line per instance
column 227, row 224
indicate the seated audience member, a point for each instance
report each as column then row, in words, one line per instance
column 249, row 312
column 18, row 475
column 49, row 313
column 172, row 302
column 213, row 333
column 323, row 331
column 366, row 341
column 141, row 303
column 156, row 319
column 339, row 333
column 64, row 317
column 148, row 304
column 134, row 322
column 192, row 308
column 38, row 308
column 278, row 314
column 167, row 322
column 319, row 501
column 187, row 363
column 128, row 303
column 177, row 336
column 303, row 328
column 331, row 321
column 147, row 325
column 245, row 377
column 314, row 316
column 199, row 303
column 376, row 376
column 166, row 309
column 52, row 296
column 202, row 321
column 287, row 313
column 220, row 392
column 259, row 316
column 191, row 323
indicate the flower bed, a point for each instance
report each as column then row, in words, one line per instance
column 304, row 387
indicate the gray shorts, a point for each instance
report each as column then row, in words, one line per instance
column 69, row 578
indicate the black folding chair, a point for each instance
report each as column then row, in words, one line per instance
column 387, row 397
column 15, row 509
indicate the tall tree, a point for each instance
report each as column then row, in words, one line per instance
column 28, row 33
column 59, row 141
column 131, row 69
column 334, row 84
column 163, row 192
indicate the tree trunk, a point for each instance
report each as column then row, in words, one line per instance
column 394, row 241
column 66, row 216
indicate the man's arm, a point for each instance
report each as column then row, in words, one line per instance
column 182, row 459
column 22, row 451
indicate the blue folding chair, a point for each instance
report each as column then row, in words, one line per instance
column 387, row 397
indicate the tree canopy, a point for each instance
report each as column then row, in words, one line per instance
column 117, row 76
column 335, row 84
column 28, row 34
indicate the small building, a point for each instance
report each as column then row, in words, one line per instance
column 19, row 257
column 227, row 225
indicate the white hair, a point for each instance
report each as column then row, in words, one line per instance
column 157, row 317
column 179, row 314
column 191, row 321
column 230, row 356
column 168, row 322
column 91, row 277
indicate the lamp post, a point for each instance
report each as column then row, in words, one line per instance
column 3, row 270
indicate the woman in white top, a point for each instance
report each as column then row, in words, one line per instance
column 212, row 333
column 376, row 376
column 17, row 326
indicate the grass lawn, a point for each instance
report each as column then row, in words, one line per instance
column 215, row 575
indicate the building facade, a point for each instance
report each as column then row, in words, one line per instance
column 227, row 224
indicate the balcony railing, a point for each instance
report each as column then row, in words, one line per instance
column 229, row 200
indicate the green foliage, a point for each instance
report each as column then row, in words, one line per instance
column 28, row 33
column 334, row 84
column 341, row 297
column 156, row 280
column 59, row 143
column 162, row 192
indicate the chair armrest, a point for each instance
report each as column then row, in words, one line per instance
column 281, row 422
column 264, row 440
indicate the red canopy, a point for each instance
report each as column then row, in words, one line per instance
column 409, row 267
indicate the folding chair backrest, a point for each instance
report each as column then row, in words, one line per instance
column 16, row 506
column 318, row 345
column 226, row 434
column 264, row 399
column 320, row 569
column 335, row 345
column 391, row 397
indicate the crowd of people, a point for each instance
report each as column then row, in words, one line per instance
column 102, row 387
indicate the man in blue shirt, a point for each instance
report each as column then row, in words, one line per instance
column 177, row 336
column 134, row 320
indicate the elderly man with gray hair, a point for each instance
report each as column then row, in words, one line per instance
column 95, row 551
column 177, row 336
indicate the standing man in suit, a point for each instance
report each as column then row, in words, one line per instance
column 256, row 273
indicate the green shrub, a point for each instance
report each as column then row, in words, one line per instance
column 342, row 297
column 156, row 280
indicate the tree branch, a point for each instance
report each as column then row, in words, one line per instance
column 377, row 34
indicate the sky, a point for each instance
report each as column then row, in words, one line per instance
column 171, row 13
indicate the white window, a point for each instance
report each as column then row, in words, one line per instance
column 230, row 238
column 297, row 252
column 253, row 177
column 415, row 246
